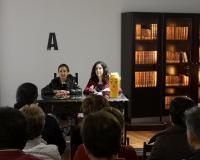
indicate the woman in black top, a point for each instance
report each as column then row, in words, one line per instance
column 63, row 85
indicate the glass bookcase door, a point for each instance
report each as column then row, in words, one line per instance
column 146, row 53
column 178, row 49
column 199, row 61
column 147, row 64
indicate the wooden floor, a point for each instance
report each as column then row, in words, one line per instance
column 137, row 138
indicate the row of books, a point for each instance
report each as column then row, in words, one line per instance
column 146, row 79
column 145, row 57
column 176, row 57
column 146, row 31
column 177, row 33
column 177, row 80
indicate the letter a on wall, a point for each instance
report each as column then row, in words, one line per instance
column 52, row 42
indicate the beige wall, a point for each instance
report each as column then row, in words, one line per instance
column 86, row 30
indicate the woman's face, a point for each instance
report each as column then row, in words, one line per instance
column 99, row 70
column 63, row 73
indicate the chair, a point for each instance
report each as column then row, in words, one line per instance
column 146, row 150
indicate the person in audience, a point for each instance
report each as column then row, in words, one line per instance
column 101, row 133
column 193, row 131
column 91, row 103
column 62, row 86
column 99, row 79
column 172, row 142
column 35, row 145
column 27, row 93
column 126, row 152
column 13, row 135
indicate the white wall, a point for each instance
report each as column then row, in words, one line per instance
column 86, row 31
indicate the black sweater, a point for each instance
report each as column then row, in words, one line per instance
column 69, row 85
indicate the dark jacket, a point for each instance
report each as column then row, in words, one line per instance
column 69, row 85
column 52, row 134
column 194, row 156
column 170, row 144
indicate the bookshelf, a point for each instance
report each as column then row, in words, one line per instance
column 160, row 59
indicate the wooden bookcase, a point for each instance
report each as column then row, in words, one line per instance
column 159, row 60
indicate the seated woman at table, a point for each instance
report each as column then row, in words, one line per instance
column 61, row 86
column 99, row 80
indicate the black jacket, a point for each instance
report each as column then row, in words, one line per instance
column 170, row 144
column 69, row 85
column 194, row 156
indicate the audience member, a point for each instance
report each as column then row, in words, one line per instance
column 126, row 152
column 13, row 135
column 63, row 85
column 91, row 103
column 27, row 93
column 35, row 145
column 172, row 142
column 193, row 131
column 101, row 133
column 99, row 79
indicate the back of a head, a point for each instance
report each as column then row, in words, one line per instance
column 93, row 103
column 192, row 122
column 101, row 133
column 13, row 129
column 117, row 113
column 35, row 118
column 178, row 107
column 27, row 93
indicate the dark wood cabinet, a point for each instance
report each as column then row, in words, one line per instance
column 159, row 60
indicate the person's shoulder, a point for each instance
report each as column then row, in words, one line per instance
column 159, row 134
column 44, row 149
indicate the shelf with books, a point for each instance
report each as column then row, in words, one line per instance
column 160, row 59
column 176, row 80
column 177, row 32
column 146, row 79
column 146, row 31
column 145, row 57
column 178, row 51
column 176, row 57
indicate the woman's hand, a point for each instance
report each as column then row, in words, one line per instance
column 61, row 93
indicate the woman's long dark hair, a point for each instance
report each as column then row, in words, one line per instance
column 105, row 72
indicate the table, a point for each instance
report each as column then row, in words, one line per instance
column 72, row 104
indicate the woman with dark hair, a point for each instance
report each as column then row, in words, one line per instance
column 27, row 94
column 99, row 79
column 63, row 85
